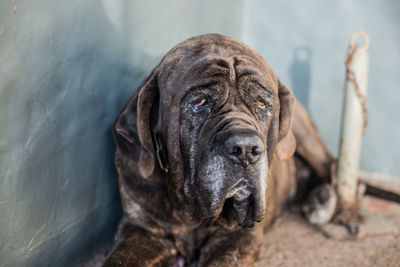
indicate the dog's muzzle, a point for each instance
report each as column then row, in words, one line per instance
column 240, row 199
column 244, row 149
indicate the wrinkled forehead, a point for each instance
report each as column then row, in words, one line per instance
column 207, row 59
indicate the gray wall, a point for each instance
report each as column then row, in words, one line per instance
column 63, row 78
column 305, row 43
column 66, row 69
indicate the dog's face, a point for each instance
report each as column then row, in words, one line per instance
column 211, row 116
column 224, row 128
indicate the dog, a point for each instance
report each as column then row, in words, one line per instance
column 210, row 148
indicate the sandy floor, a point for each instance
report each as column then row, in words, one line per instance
column 291, row 241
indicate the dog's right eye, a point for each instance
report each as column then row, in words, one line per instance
column 199, row 105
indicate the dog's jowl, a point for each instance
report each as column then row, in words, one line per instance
column 206, row 152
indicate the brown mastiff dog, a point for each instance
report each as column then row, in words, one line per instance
column 205, row 157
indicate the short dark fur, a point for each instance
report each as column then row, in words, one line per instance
column 203, row 168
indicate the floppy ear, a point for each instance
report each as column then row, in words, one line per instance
column 286, row 141
column 134, row 123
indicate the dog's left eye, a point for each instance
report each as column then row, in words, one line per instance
column 265, row 106
column 261, row 104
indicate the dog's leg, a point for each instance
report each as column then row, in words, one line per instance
column 138, row 247
column 238, row 248
column 310, row 147
column 314, row 166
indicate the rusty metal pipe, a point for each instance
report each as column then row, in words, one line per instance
column 353, row 120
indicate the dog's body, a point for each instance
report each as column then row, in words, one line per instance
column 205, row 157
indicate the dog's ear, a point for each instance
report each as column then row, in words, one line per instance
column 134, row 123
column 286, row 142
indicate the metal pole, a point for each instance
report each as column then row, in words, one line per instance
column 353, row 120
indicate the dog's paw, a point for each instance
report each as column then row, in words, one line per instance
column 320, row 205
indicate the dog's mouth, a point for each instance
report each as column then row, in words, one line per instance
column 230, row 196
column 240, row 211
column 237, row 211
column 239, row 207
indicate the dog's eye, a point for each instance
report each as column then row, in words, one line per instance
column 265, row 106
column 261, row 104
column 199, row 105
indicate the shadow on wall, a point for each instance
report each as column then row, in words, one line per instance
column 300, row 74
column 59, row 97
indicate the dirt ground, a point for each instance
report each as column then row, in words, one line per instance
column 292, row 241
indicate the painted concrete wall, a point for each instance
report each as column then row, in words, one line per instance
column 63, row 78
column 305, row 42
column 67, row 68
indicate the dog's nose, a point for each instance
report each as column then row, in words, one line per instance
column 244, row 149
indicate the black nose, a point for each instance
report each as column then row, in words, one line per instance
column 244, row 149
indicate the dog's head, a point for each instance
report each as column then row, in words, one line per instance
column 209, row 118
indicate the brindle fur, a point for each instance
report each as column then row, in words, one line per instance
column 178, row 210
